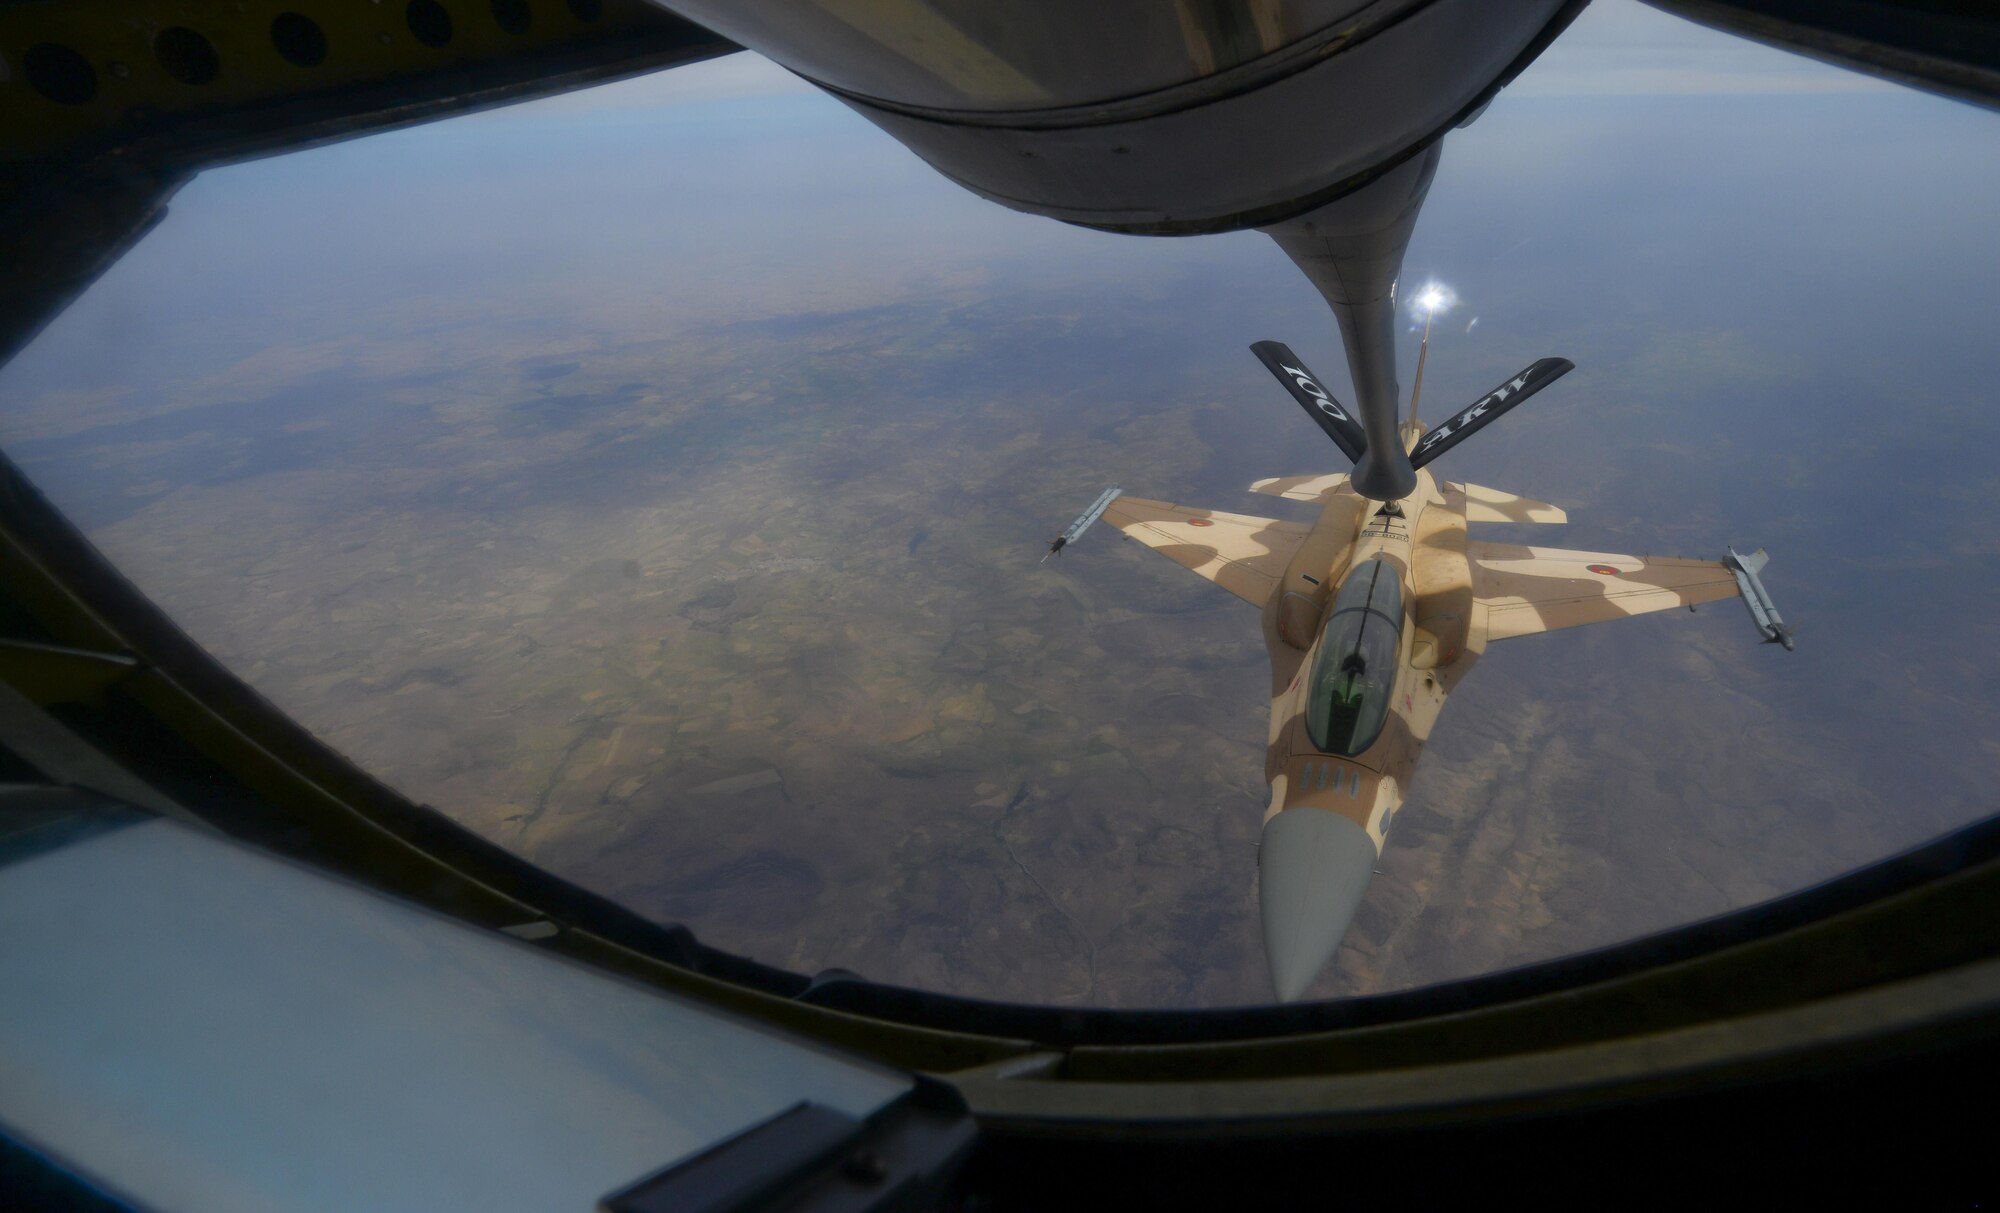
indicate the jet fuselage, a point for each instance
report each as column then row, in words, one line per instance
column 1422, row 538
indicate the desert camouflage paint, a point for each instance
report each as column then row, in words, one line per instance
column 1457, row 595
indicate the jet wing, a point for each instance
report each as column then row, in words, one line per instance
column 1525, row 590
column 1244, row 555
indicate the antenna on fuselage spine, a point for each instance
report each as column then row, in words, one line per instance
column 1433, row 298
column 1423, row 352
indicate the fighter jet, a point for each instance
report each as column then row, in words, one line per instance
column 1372, row 615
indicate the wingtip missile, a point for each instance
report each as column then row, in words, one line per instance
column 1074, row 531
column 1763, row 612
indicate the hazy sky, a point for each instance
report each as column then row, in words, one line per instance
column 735, row 167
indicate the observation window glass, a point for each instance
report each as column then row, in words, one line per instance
column 651, row 479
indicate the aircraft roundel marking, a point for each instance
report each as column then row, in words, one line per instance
column 1602, row 569
column 1200, row 522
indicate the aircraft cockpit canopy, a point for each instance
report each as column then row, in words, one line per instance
column 1355, row 671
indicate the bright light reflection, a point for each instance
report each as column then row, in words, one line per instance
column 1434, row 299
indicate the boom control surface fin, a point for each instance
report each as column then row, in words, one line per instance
column 1319, row 404
column 1485, row 410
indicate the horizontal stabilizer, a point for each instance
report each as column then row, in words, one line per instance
column 1326, row 412
column 1491, row 505
column 1483, row 411
column 1302, row 488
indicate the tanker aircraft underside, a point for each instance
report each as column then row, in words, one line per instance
column 1372, row 615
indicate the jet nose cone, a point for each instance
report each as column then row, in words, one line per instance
column 1312, row 868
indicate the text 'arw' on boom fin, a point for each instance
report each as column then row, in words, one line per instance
column 1488, row 408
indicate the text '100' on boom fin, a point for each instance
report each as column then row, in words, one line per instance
column 1319, row 404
